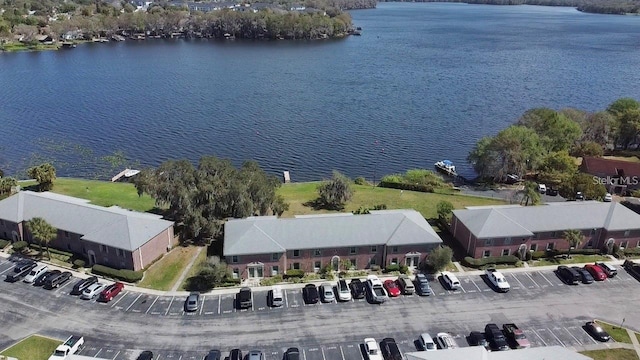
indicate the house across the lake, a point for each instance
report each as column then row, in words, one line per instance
column 265, row 246
column 109, row 236
column 618, row 176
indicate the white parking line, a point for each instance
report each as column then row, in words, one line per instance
column 519, row 282
column 476, row 285
column 134, row 301
column 342, row 352
column 118, row 353
column 219, row 301
column 180, row 358
column 554, row 335
column 322, row 351
column 169, row 307
column 574, row 338
column 532, row 279
column 286, row 300
column 253, row 307
column 98, row 353
column 304, row 355
column 120, row 298
column 154, row 301
column 7, row 269
column 540, row 337
column 544, row 277
column 202, row 304
column 63, row 285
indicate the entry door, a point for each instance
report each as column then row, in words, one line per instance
column 412, row 261
column 256, row 271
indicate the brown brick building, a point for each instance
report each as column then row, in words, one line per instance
column 112, row 236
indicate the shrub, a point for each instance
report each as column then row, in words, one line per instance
column 51, row 250
column 538, row 255
column 294, row 273
column 361, row 181
column 78, row 263
column 632, row 251
column 391, row 268
column 509, row 259
column 3, row 243
column 380, row 207
column 404, row 269
column 121, row 274
column 374, row 267
column 405, row 186
column 20, row 246
column 271, row 280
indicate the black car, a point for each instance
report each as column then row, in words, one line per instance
column 597, row 332
column 43, row 279
column 245, row 301
column 23, row 264
column 422, row 285
column 585, row 276
column 145, row 355
column 495, row 337
column 57, row 280
column 25, row 268
column 310, row 294
column 213, row 355
column 568, row 275
column 579, row 196
column 292, row 354
column 358, row 291
column 476, row 338
column 79, row 287
column 235, row 354
column 390, row 349
column 552, row 191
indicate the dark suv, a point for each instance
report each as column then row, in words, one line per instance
column 390, row 349
column 48, row 275
column 568, row 275
column 358, row 291
column 310, row 294
column 422, row 285
column 496, row 338
column 244, row 298
column 585, row 276
column 21, row 270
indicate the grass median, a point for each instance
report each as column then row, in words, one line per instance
column 33, row 347
column 611, row 354
column 164, row 273
column 617, row 333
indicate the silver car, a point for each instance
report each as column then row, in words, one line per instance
column 255, row 355
column 326, row 291
column 193, row 302
column 92, row 291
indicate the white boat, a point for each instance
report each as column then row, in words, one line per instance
column 446, row 167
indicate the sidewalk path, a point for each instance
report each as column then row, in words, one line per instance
column 634, row 341
column 186, row 271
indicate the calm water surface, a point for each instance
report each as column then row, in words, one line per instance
column 423, row 83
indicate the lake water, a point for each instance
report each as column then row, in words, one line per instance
column 423, row 83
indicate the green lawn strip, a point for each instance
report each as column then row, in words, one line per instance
column 637, row 336
column 33, row 347
column 611, row 354
column 166, row 271
column 575, row 259
column 197, row 265
column 297, row 194
column 617, row 333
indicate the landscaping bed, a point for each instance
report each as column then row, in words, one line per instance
column 164, row 273
column 32, row 348
column 611, row 354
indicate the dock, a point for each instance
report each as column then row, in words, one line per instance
column 126, row 173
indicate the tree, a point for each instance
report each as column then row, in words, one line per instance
column 530, row 196
column 41, row 230
column 557, row 132
column 517, row 149
column 445, row 211
column 332, row 194
column 439, row 258
column 6, row 183
column 483, row 159
column 627, row 128
column 557, row 167
column 622, row 105
column 574, row 238
column 587, row 148
column 585, row 183
column 598, row 127
column 44, row 174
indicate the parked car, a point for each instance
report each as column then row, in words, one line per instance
column 445, row 341
column 422, row 283
column 193, row 302
column 596, row 272
column 498, row 280
column 608, row 198
column 610, row 270
column 344, row 293
column 476, row 338
column 275, row 296
column 451, row 280
column 40, row 281
column 35, row 273
column 81, row 285
column 22, row 265
column 516, row 336
column 568, row 275
column 255, row 355
column 495, row 337
column 292, row 354
column 511, row 179
column 145, row 355
column 213, row 355
column 542, row 188
column 392, row 288
column 92, row 291
column 358, row 290
column 585, row 276
column 579, row 196
column 235, row 354
column 597, row 331
column 25, row 269
column 390, row 350
column 375, row 290
column 310, row 294
column 406, row 285
column 427, row 343
column 244, row 299
column 57, row 280
column 552, row 191
column 372, row 349
column 111, row 291
column 326, row 290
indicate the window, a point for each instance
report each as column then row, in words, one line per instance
column 488, row 242
column 316, row 266
column 394, row 249
column 638, row 243
column 534, row 247
column 353, row 250
column 317, row 252
column 553, row 234
column 274, row 270
column 394, row 261
column 84, row 251
column 296, row 253
column 120, row 252
column 486, row 253
column 296, row 266
column 104, row 249
column 1, row 222
column 507, row 241
column 590, row 244
column 372, row 261
column 623, row 245
column 537, row 235
column 275, row 256
column 374, row 249
column 353, row 263
column 550, row 246
column 236, row 273
column 593, row 232
column 234, row 259
column 626, row 233
column 506, row 252
column 66, row 234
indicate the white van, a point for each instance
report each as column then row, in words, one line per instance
column 451, row 280
column 542, row 188
column 276, row 296
column 35, row 273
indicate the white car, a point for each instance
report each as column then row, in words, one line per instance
column 344, row 293
column 445, row 341
column 35, row 273
column 498, row 280
column 372, row 348
column 542, row 188
column 427, row 343
column 92, row 291
column 451, row 280
column 608, row 198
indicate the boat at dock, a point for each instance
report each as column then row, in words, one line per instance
column 447, row 167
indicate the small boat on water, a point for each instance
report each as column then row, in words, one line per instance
column 446, row 167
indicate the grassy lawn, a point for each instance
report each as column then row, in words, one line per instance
column 611, row 354
column 297, row 194
column 617, row 333
column 637, row 336
column 33, row 348
column 197, row 265
column 575, row 259
column 634, row 159
column 165, row 272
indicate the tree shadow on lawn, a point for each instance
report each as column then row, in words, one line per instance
column 318, row 204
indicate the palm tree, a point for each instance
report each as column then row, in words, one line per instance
column 531, row 194
column 574, row 238
column 40, row 229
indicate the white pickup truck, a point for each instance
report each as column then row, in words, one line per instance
column 71, row 346
column 498, row 280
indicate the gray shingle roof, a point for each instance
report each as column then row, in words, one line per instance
column 480, row 353
column 112, row 226
column 506, row 221
column 263, row 235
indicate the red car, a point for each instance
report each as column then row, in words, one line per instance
column 596, row 271
column 111, row 291
column 392, row 288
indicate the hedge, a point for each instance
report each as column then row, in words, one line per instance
column 553, row 253
column 19, row 246
column 122, row 274
column 78, row 263
column 52, row 250
column 294, row 273
column 406, row 186
column 509, row 259
column 3, row 243
column 632, row 251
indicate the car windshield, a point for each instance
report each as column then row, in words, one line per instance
column 431, row 346
column 520, row 337
column 500, row 280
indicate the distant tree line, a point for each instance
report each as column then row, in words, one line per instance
column 592, row 6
